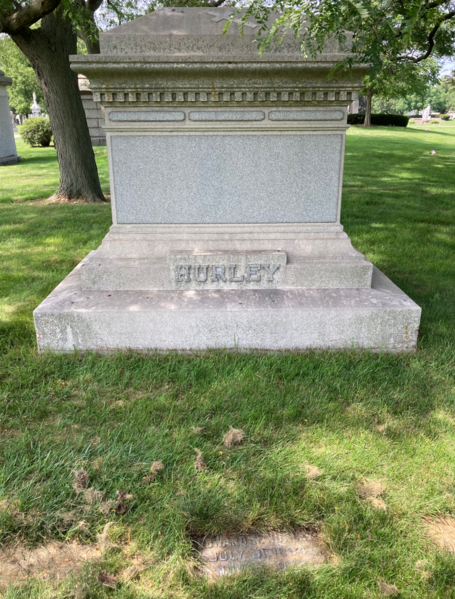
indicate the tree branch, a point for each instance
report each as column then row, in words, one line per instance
column 93, row 5
column 431, row 40
column 435, row 4
column 24, row 17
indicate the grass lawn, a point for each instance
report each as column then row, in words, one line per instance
column 353, row 415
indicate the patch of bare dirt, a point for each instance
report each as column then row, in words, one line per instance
column 9, row 505
column 105, row 507
column 107, row 579
column 97, row 462
column 378, row 503
column 154, row 469
column 49, row 562
column 56, row 200
column 388, row 590
column 133, row 572
column 93, row 496
column 423, row 567
column 312, row 471
column 80, row 480
column 9, row 433
column 442, row 532
column 370, row 488
column 233, row 437
column 122, row 504
column 199, row 464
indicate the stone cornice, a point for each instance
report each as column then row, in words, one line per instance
column 148, row 79
column 208, row 96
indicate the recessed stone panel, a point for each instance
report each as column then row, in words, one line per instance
column 147, row 115
column 233, row 554
column 227, row 115
column 216, row 179
column 306, row 115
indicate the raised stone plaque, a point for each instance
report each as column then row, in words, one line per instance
column 232, row 554
column 226, row 270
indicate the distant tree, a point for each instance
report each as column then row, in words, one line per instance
column 386, row 33
column 441, row 97
column 45, row 31
column 25, row 81
column 399, row 81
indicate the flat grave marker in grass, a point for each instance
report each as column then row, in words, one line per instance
column 231, row 554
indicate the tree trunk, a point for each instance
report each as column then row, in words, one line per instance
column 367, row 121
column 48, row 49
column 88, row 32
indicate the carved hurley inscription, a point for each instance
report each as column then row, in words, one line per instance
column 220, row 269
column 185, row 273
column 231, row 554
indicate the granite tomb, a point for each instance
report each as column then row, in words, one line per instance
column 226, row 171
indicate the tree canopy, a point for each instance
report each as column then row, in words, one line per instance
column 25, row 81
column 394, row 37
column 441, row 97
column 384, row 31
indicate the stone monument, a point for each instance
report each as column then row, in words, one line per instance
column 226, row 172
column 36, row 108
column 426, row 114
column 354, row 107
column 8, row 152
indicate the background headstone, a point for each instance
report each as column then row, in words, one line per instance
column 8, row 152
column 426, row 114
column 354, row 107
column 36, row 108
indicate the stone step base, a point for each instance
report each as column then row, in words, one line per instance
column 144, row 274
column 380, row 318
column 7, row 160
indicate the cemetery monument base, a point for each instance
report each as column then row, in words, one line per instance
column 226, row 172
column 379, row 318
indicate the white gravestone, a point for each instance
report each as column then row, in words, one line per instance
column 8, row 152
column 426, row 114
column 36, row 108
column 226, row 172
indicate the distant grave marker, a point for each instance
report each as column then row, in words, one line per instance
column 233, row 553
column 8, row 153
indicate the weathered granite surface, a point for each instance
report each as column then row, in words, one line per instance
column 224, row 159
column 8, row 152
column 136, row 256
column 254, row 178
column 226, row 269
column 182, row 55
column 380, row 318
